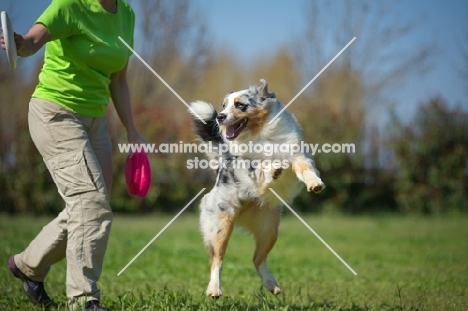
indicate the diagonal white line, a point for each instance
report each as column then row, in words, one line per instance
column 316, row 76
column 160, row 78
column 160, row 232
column 312, row 230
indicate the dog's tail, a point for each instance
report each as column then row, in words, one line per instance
column 209, row 130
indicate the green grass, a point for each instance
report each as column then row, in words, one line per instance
column 402, row 264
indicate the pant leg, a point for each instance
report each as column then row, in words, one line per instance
column 62, row 139
column 102, row 146
column 47, row 248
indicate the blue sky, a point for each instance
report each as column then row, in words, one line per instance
column 256, row 25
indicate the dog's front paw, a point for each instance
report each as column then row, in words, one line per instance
column 313, row 182
column 317, row 187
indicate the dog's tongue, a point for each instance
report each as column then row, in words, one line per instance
column 231, row 130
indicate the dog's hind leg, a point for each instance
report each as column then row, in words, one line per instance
column 216, row 236
column 263, row 223
column 265, row 239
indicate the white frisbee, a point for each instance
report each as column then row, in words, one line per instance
column 10, row 44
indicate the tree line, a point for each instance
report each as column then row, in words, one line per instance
column 415, row 165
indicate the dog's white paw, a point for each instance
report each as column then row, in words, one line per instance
column 272, row 286
column 213, row 291
column 313, row 182
column 318, row 187
column 276, row 290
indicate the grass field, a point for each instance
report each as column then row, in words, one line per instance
column 402, row 264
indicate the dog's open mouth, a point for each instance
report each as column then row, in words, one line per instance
column 233, row 130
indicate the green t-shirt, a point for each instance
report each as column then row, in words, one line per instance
column 83, row 52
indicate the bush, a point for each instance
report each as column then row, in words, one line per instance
column 431, row 155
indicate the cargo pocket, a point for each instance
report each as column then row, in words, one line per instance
column 71, row 173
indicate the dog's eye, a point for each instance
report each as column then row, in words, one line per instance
column 239, row 106
column 224, row 106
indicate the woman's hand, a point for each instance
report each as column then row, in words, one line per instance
column 19, row 40
column 29, row 44
column 134, row 137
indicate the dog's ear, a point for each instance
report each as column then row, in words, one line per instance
column 263, row 89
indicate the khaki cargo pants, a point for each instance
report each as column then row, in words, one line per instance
column 77, row 152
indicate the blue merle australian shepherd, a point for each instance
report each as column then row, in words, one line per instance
column 240, row 196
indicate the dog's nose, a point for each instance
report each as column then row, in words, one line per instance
column 221, row 117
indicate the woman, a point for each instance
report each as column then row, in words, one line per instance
column 85, row 63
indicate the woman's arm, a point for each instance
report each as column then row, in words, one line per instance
column 30, row 43
column 121, row 97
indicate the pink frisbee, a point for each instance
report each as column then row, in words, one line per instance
column 138, row 174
